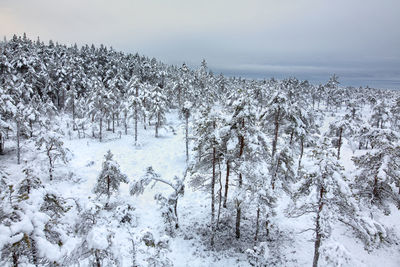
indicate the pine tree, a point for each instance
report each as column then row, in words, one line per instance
column 329, row 197
column 7, row 108
column 274, row 114
column 204, row 171
column 395, row 115
column 32, row 216
column 51, row 140
column 110, row 177
column 99, row 103
column 379, row 170
column 380, row 115
column 135, row 102
column 158, row 107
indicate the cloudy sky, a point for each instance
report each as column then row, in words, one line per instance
column 359, row 40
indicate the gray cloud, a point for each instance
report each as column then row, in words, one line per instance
column 357, row 39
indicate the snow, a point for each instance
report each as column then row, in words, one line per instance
column 166, row 155
column 97, row 238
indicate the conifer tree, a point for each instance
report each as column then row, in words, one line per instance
column 7, row 108
column 110, row 177
column 204, row 171
column 379, row 170
column 135, row 102
column 158, row 107
column 51, row 140
column 329, row 197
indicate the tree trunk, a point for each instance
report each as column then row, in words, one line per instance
column 179, row 97
column 30, row 128
column 291, row 137
column 62, row 98
column 339, row 142
column 96, row 255
column 113, row 122
column 238, row 202
column 187, row 134
column 15, row 257
column 375, row 188
column 18, row 142
column 92, row 126
column 226, row 183
column 136, row 115
column 213, row 192
column 257, row 223
column 318, row 235
column 219, row 193
column 176, row 211
column 278, row 163
column 34, row 252
column 1, row 144
column 157, row 124
column 238, row 215
column 301, row 150
column 50, row 164
column 101, row 126
column 276, row 131
column 108, row 186
column 74, row 128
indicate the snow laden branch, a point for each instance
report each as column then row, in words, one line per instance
column 168, row 205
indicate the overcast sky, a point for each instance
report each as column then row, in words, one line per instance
column 359, row 40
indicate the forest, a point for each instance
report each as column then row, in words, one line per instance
column 116, row 159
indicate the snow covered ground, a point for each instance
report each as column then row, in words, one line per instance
column 166, row 155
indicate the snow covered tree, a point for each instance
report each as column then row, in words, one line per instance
column 51, row 140
column 246, row 147
column 110, row 177
column 184, row 85
column 158, row 107
column 71, row 104
column 168, row 205
column 274, row 113
column 204, row 171
column 380, row 115
column 31, row 180
column 21, row 124
column 186, row 111
column 99, row 104
column 135, row 102
column 6, row 109
column 329, row 196
column 379, row 170
column 395, row 115
column 32, row 231
column 333, row 92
